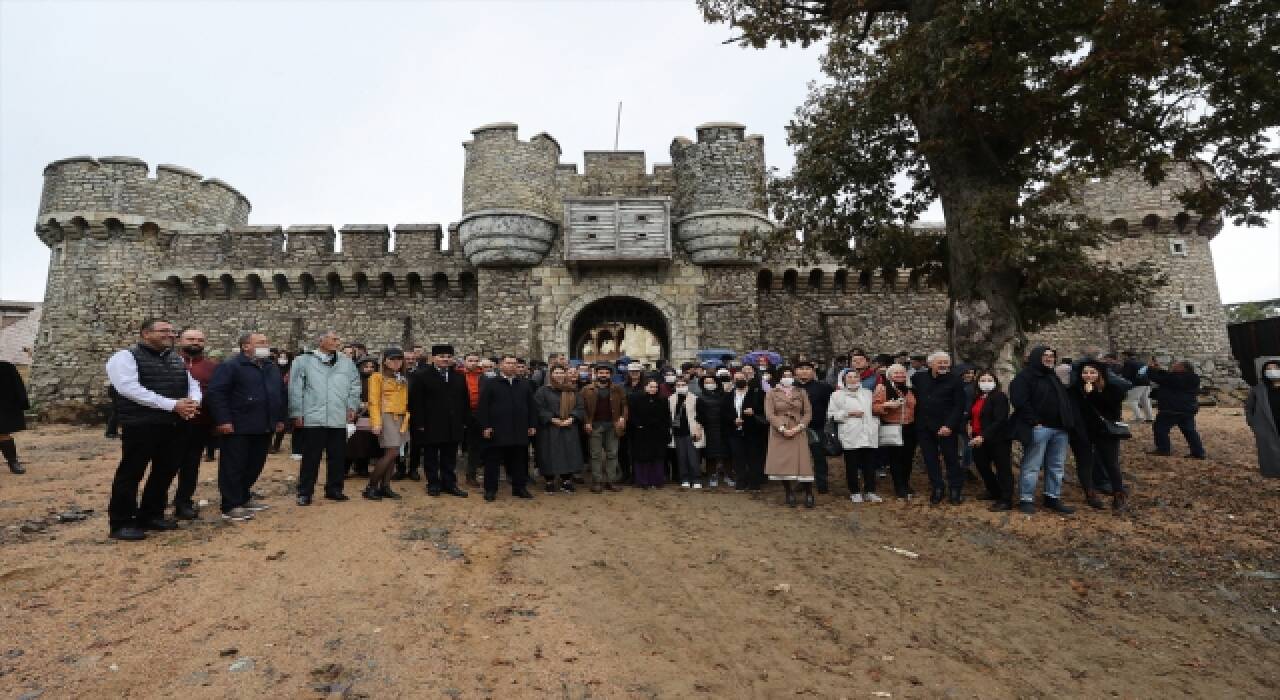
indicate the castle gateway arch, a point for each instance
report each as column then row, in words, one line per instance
column 613, row 326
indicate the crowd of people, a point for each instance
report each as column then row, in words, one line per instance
column 736, row 424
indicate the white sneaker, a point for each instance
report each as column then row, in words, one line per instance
column 255, row 506
column 716, row 482
column 729, row 483
column 697, row 485
column 295, row 457
column 856, row 497
column 237, row 515
column 872, row 498
column 684, row 484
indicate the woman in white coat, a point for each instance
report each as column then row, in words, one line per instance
column 686, row 435
column 858, row 428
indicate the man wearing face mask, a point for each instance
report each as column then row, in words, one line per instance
column 247, row 401
column 742, row 421
column 819, row 397
column 324, row 396
column 606, row 423
column 193, row 435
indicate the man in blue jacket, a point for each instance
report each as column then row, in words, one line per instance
column 247, row 402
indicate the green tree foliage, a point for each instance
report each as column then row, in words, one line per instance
column 995, row 108
column 1252, row 311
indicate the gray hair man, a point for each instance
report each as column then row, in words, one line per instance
column 324, row 396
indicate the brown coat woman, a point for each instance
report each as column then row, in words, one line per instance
column 789, row 460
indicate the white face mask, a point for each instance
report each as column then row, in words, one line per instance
column 670, row 379
column 709, row 386
column 283, row 361
column 987, row 386
column 682, row 390
column 788, row 381
column 262, row 353
column 1272, row 374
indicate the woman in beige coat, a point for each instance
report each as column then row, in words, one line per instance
column 787, row 409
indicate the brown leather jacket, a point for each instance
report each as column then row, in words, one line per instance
column 617, row 402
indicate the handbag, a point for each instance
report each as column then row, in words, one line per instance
column 890, row 434
column 831, row 439
column 1116, row 429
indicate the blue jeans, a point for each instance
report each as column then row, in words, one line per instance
column 1048, row 448
column 1186, row 422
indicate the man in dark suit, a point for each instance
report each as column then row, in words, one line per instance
column 940, row 407
column 438, row 408
column 507, row 418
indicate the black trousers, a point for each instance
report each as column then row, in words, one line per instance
column 901, row 458
column 415, row 449
column 142, row 446
column 473, row 441
column 1082, row 451
column 239, row 465
column 333, row 443
column 440, row 459
column 192, row 440
column 860, row 461
column 930, row 446
column 999, row 482
column 747, row 455
column 1106, row 456
column 514, row 458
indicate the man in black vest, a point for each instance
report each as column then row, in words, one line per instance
column 438, row 409
column 154, row 392
column 507, row 418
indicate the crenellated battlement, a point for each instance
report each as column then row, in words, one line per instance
column 1133, row 207
column 121, row 187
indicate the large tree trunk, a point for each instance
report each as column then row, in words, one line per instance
column 983, row 322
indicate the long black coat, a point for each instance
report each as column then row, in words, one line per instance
column 709, row 407
column 754, row 427
column 940, row 401
column 648, row 427
column 437, row 408
column 507, row 407
column 13, row 400
column 994, row 418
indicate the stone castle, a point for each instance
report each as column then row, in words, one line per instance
column 543, row 257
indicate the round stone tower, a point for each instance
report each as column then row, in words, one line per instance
column 108, row 226
column 719, row 193
column 510, row 206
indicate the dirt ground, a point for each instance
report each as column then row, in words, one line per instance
column 663, row 594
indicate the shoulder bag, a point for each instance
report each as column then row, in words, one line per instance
column 890, row 434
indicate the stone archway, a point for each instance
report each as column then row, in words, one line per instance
column 672, row 332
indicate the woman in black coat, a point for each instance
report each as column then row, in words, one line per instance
column 649, row 429
column 13, row 406
column 1101, row 401
column 991, row 439
column 708, row 414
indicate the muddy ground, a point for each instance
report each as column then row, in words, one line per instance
column 662, row 594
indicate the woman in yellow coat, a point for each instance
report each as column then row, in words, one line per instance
column 789, row 460
column 389, row 419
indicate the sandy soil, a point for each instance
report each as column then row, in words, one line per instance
column 647, row 595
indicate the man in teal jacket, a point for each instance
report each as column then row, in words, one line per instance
column 324, row 396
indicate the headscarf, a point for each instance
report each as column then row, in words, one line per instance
column 568, row 389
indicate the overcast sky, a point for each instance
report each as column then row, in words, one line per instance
column 351, row 113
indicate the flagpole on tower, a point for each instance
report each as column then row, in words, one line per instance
column 617, row 126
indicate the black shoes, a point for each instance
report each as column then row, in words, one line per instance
column 935, row 497
column 1160, row 453
column 490, row 496
column 185, row 511
column 455, row 491
column 550, row 487
column 17, row 468
column 372, row 494
column 791, row 498
column 808, row 499
column 957, row 497
column 414, row 475
column 433, row 491
column 1094, row 501
column 386, row 492
column 1188, row 457
column 304, row 500
column 521, row 493
column 337, row 497
column 128, row 534
column 1056, row 505
column 567, row 486
column 1000, row 507
column 158, row 524
column 1027, row 508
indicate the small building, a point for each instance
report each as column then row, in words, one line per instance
column 19, row 324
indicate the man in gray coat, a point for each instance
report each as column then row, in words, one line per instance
column 324, row 396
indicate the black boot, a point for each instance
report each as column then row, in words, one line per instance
column 9, row 449
column 791, row 494
column 1056, row 505
column 935, row 496
column 956, row 496
column 371, row 493
column 386, row 492
column 808, row 496
column 1094, row 501
column 414, row 475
